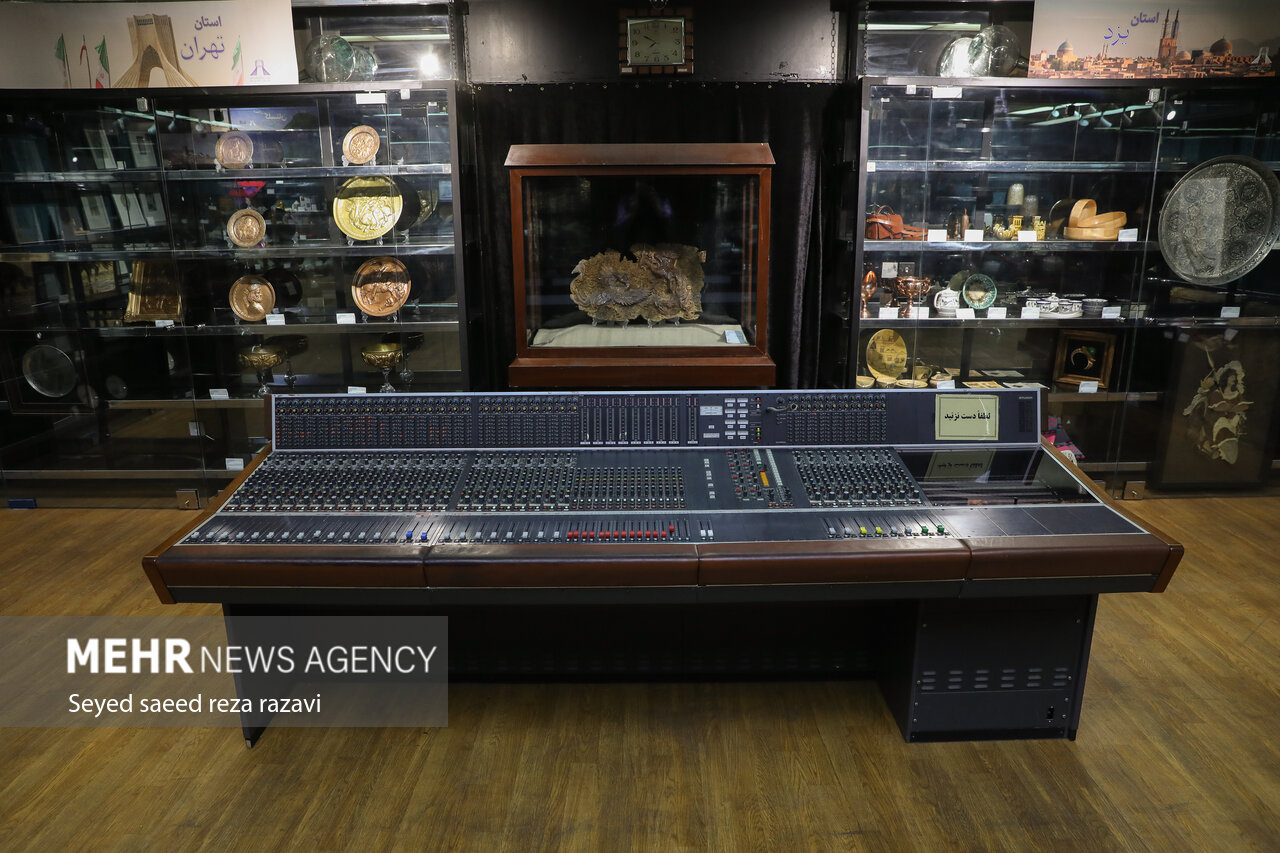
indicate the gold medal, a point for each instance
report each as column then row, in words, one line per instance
column 234, row 150
column 360, row 145
column 246, row 227
column 380, row 286
column 367, row 207
column 252, row 298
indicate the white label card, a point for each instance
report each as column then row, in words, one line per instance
column 219, row 394
column 357, row 389
column 371, row 97
column 1128, row 235
column 888, row 312
column 973, row 235
column 947, row 384
column 871, row 165
column 947, row 91
column 1026, row 236
column 1089, row 387
column 235, row 464
column 936, row 235
column 163, row 324
column 889, row 269
column 1230, row 312
column 1111, row 312
column 1031, row 313
column 346, row 318
column 965, row 314
column 275, row 319
column 997, row 313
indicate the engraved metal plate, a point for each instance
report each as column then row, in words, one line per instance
column 252, row 298
column 246, row 227
column 1220, row 220
column 886, row 355
column 381, row 286
column 234, row 150
column 367, row 207
column 360, row 144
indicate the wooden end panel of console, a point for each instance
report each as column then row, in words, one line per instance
column 834, row 561
column 151, row 560
column 561, row 565
column 1070, row 556
column 352, row 566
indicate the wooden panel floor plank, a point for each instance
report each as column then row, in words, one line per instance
column 1177, row 747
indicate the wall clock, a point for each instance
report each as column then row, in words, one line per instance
column 655, row 40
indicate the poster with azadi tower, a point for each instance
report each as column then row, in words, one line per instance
column 140, row 45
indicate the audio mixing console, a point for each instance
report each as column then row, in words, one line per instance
column 464, row 484
column 675, row 517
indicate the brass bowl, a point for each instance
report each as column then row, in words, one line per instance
column 262, row 357
column 381, row 356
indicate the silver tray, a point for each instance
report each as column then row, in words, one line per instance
column 1220, row 220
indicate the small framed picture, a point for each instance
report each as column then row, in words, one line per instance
column 99, row 278
column 152, row 208
column 96, row 217
column 1084, row 356
column 128, row 209
column 100, row 148
column 143, row 149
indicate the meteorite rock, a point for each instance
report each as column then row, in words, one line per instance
column 664, row 282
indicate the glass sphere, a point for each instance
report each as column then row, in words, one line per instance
column 329, row 59
column 366, row 64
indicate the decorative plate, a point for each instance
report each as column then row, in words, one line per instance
column 1220, row 220
column 252, row 298
column 979, row 291
column 360, row 144
column 367, row 207
column 381, row 286
column 886, row 355
column 234, row 150
column 246, row 227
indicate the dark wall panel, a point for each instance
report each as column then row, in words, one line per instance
column 575, row 41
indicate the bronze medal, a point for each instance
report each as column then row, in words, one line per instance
column 380, row 286
column 246, row 228
column 252, row 298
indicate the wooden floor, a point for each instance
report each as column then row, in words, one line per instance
column 1179, row 745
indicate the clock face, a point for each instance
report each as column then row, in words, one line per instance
column 655, row 41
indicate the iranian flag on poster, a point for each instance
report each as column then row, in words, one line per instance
column 103, row 78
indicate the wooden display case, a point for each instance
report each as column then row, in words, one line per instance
column 641, row 266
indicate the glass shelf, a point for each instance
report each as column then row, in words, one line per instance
column 1009, row 246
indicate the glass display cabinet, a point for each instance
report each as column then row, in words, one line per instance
column 640, row 265
column 1009, row 233
column 170, row 256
